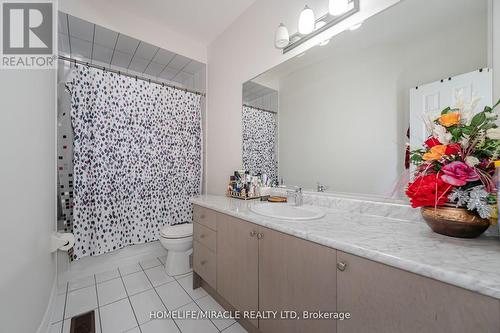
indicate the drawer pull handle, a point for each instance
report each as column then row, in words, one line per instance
column 341, row 266
column 260, row 235
column 253, row 233
column 203, row 262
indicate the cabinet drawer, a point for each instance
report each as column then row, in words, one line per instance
column 204, row 216
column 385, row 299
column 204, row 263
column 205, row 236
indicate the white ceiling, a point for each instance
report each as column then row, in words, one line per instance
column 253, row 91
column 200, row 20
column 92, row 43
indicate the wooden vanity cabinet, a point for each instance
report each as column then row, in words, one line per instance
column 385, row 299
column 255, row 268
column 297, row 275
column 238, row 263
column 262, row 269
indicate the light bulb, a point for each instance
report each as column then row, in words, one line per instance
column 338, row 7
column 282, row 37
column 306, row 21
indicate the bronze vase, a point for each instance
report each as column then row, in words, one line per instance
column 454, row 222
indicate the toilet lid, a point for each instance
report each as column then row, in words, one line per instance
column 177, row 231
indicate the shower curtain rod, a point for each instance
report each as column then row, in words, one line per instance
column 259, row 109
column 107, row 69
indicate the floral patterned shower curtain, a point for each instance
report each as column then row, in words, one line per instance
column 137, row 159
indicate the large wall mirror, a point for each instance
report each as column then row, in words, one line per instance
column 343, row 113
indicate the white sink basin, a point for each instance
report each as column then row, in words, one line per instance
column 287, row 211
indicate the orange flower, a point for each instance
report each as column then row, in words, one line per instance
column 450, row 119
column 435, row 153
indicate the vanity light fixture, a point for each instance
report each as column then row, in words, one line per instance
column 306, row 21
column 325, row 42
column 356, row 26
column 319, row 25
column 282, row 37
column 338, row 7
column 295, row 38
column 309, row 26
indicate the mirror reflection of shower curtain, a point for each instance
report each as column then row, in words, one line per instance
column 260, row 129
column 137, row 159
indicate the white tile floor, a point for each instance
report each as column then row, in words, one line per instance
column 123, row 299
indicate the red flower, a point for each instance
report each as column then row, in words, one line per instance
column 429, row 190
column 432, row 141
column 453, row 149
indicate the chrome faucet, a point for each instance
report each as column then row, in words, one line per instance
column 297, row 194
column 321, row 187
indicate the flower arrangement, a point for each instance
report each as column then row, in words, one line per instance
column 455, row 166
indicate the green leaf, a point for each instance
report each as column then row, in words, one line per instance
column 488, row 153
column 456, row 133
column 488, row 126
column 478, row 119
column 498, row 103
column 416, row 158
column 445, row 111
column 492, row 199
column 467, row 130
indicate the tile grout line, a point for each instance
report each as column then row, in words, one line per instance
column 129, row 301
column 194, row 301
column 98, row 305
column 156, row 292
column 70, row 290
column 235, row 322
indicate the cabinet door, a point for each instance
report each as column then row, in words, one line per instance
column 297, row 275
column 237, row 263
column 385, row 299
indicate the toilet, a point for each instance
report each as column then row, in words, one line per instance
column 178, row 241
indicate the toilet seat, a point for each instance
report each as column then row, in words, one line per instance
column 177, row 231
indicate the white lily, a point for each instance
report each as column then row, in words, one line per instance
column 472, row 161
column 466, row 108
column 493, row 133
column 442, row 134
column 464, row 141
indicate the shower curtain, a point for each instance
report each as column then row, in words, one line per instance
column 260, row 142
column 137, row 159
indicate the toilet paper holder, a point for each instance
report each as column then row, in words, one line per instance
column 61, row 241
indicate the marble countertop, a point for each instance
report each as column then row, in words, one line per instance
column 473, row 264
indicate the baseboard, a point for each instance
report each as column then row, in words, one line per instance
column 108, row 261
column 45, row 323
